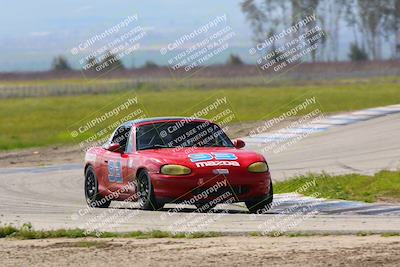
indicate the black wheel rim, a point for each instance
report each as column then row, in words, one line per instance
column 144, row 188
column 90, row 185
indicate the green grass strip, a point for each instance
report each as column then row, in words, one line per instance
column 383, row 186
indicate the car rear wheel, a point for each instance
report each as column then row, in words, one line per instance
column 147, row 200
column 262, row 204
column 93, row 198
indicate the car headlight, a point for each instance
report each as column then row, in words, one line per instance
column 258, row 167
column 175, row 170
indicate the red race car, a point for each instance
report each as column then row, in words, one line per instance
column 176, row 160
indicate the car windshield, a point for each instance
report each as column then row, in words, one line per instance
column 181, row 134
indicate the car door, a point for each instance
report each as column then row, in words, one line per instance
column 129, row 165
column 116, row 162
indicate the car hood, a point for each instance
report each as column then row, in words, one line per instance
column 189, row 156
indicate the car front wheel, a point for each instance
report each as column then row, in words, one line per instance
column 147, row 200
column 262, row 204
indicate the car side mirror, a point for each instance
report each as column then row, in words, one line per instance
column 114, row 147
column 238, row 143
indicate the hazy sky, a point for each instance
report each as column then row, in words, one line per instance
column 33, row 32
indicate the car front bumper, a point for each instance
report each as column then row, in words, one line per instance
column 178, row 189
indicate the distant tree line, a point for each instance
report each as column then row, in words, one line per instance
column 112, row 62
column 373, row 23
column 106, row 63
column 60, row 63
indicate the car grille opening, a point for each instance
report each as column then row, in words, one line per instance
column 236, row 190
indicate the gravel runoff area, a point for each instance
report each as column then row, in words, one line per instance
column 350, row 250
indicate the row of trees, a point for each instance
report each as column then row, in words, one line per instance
column 108, row 62
column 373, row 23
column 112, row 62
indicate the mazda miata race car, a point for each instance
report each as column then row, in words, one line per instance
column 176, row 160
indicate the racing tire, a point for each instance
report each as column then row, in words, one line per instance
column 147, row 200
column 91, row 187
column 262, row 204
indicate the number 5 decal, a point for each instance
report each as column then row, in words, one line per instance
column 115, row 172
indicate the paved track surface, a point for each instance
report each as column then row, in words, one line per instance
column 358, row 142
column 52, row 197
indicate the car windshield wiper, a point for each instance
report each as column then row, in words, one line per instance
column 156, row 146
column 213, row 145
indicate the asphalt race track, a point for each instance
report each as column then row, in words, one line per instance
column 359, row 142
column 52, row 197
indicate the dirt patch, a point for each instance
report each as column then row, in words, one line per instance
column 220, row 251
column 81, row 244
column 388, row 200
column 41, row 156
